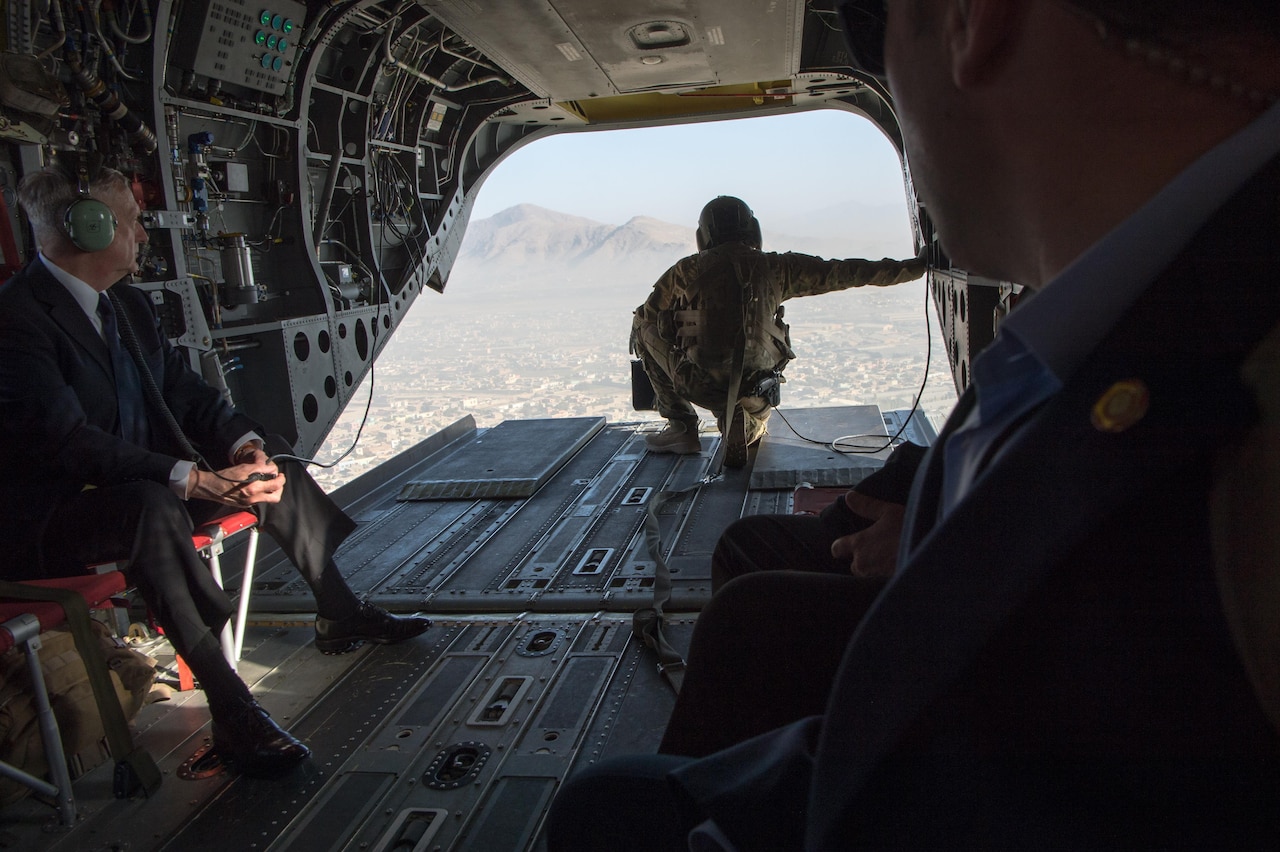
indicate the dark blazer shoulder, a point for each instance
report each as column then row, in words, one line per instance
column 1183, row 340
column 31, row 282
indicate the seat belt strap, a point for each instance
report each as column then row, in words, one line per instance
column 646, row 623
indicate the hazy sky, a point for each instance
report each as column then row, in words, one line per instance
column 778, row 165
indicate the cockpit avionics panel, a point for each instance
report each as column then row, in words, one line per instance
column 250, row 43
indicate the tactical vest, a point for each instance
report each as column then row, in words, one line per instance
column 705, row 319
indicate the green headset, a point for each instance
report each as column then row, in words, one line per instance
column 89, row 224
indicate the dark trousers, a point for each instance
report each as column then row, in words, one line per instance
column 147, row 525
column 625, row 804
column 782, row 543
column 803, row 542
column 766, row 648
column 764, row 653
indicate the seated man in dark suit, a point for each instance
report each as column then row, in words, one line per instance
column 1080, row 647
column 724, row 699
column 832, row 542
column 98, row 467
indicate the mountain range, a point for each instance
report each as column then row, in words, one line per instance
column 527, row 244
column 528, row 236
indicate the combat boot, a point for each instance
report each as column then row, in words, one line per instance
column 676, row 437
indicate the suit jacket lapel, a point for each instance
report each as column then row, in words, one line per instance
column 961, row 583
column 67, row 313
column 926, row 490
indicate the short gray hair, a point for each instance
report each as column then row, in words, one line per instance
column 45, row 196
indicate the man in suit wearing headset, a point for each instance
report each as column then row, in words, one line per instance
column 94, row 471
column 1080, row 648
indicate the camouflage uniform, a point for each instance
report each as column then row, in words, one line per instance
column 686, row 332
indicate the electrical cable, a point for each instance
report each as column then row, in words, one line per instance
column 368, row 405
column 837, row 445
column 113, row 20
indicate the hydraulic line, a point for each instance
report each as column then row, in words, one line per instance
column 143, row 137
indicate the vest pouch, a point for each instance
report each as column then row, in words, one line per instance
column 642, row 395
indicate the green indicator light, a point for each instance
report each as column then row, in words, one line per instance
column 265, row 18
column 288, row 25
column 272, row 41
column 259, row 37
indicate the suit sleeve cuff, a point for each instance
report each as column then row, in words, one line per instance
column 246, row 438
column 180, row 478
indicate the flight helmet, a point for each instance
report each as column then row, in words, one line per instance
column 726, row 219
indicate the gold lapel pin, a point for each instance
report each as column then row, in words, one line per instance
column 1122, row 405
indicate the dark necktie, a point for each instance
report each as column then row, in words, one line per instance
column 129, row 398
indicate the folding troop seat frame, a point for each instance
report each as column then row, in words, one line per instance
column 27, row 609
column 210, row 541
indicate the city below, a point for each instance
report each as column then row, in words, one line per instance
column 499, row 358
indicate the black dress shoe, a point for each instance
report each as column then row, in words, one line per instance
column 368, row 624
column 245, row 737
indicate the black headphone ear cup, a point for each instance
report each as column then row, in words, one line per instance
column 90, row 224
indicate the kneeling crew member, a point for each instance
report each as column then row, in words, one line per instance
column 723, row 306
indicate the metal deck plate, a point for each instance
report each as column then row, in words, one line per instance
column 510, row 460
column 785, row 460
column 477, row 721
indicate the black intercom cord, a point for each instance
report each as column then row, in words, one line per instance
column 836, row 445
column 368, row 403
column 354, row 442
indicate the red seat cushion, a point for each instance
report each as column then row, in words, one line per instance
column 230, row 524
column 224, row 527
column 94, row 588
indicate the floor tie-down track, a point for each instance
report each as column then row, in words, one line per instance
column 453, row 742
column 550, row 519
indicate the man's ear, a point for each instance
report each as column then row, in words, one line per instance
column 980, row 34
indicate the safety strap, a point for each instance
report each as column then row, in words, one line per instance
column 646, row 623
column 135, row 768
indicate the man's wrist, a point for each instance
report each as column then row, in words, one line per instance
column 245, row 452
